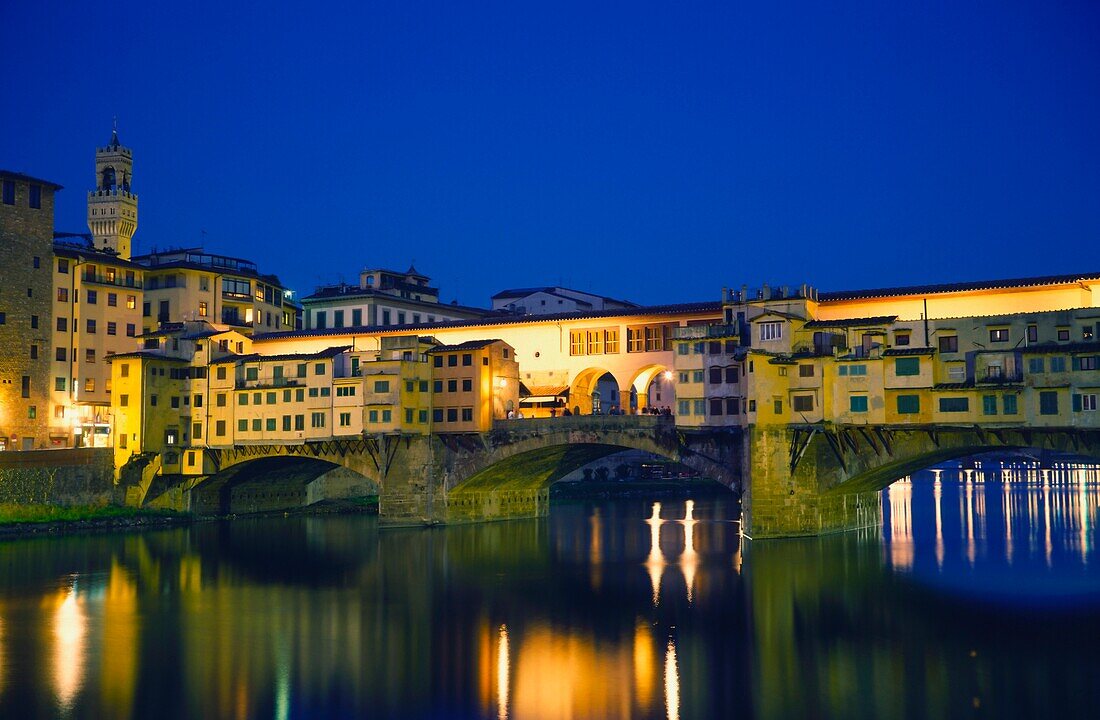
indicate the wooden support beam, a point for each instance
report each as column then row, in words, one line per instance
column 838, row 451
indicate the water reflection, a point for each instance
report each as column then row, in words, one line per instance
column 603, row 610
column 1012, row 521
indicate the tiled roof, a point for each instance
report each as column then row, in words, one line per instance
column 678, row 309
column 257, row 357
column 547, row 390
column 954, row 386
column 1069, row 347
column 468, row 345
column 956, row 287
column 894, row 352
column 151, row 354
column 852, row 322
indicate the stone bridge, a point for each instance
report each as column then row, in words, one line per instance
column 503, row 473
column 821, row 478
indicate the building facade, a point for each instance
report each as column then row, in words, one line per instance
column 382, row 298
column 550, row 300
column 26, row 239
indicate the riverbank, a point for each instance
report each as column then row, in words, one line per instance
column 19, row 521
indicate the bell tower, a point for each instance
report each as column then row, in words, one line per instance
column 112, row 207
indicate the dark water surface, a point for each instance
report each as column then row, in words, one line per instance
column 980, row 597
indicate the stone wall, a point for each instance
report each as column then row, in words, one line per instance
column 26, row 329
column 75, row 476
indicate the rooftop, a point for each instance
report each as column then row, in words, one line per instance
column 957, row 287
column 12, row 175
column 330, row 352
column 714, row 308
column 852, row 322
column 468, row 345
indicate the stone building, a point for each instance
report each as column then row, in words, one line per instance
column 26, row 246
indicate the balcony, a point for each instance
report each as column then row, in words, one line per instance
column 704, row 332
column 114, row 281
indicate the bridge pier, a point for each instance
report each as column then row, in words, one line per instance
column 790, row 487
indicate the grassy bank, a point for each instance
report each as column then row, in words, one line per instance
column 23, row 514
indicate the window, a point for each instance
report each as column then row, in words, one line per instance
column 286, row 423
column 908, row 404
column 242, row 426
column 805, row 371
column 59, row 384
column 219, row 428
column 422, row 416
column 731, row 375
column 63, row 265
column 345, row 419
column 467, row 385
column 89, row 355
column 771, row 331
column 1087, row 362
column 112, row 300
column 299, row 422
column 437, row 361
column 381, row 386
column 271, row 398
column 252, row 373
column 998, row 335
column 715, row 376
column 59, row 354
column 130, row 330
column 778, row 406
column 269, row 424
column 1086, row 333
column 317, row 420
column 34, row 352
column 299, row 395
column 437, row 415
column 1058, row 363
column 857, row 403
column 91, row 297
column 338, row 318
column 1036, row 365
column 1088, row 402
column 9, row 192
column 1008, row 403
column 452, row 361
column 1032, row 333
column 313, row 392
column 901, row 338
column 949, row 344
column 697, row 376
column 198, row 401
column 452, row 386
column 467, row 414
column 319, row 369
column 452, row 414
column 63, row 295
column 683, row 407
column 89, row 386
column 35, row 198
column 682, row 349
column 91, row 327
column 325, row 392
column 1063, row 334
column 907, row 366
column 32, row 412
column 1048, row 403
column 202, row 308
column 467, row 359
column 803, row 403
column 242, row 399
column 174, row 401
column 356, row 318
column 699, row 407
column 954, row 404
column 62, row 324
column 112, row 328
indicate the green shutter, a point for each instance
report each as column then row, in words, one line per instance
column 1076, row 402
column 908, row 404
column 1076, row 363
column 907, row 366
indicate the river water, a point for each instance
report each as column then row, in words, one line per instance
column 979, row 597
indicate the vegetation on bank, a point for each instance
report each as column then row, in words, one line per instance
column 12, row 514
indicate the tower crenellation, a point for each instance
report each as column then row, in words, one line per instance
column 112, row 205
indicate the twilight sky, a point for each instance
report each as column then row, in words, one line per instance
column 651, row 151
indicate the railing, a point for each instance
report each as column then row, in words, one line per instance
column 704, row 332
column 117, row 280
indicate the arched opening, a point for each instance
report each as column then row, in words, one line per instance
column 279, row 483
column 653, row 389
column 594, row 391
column 108, row 178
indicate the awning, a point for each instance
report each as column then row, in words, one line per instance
column 538, row 398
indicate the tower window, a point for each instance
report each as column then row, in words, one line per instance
column 108, row 178
column 35, row 196
column 9, row 192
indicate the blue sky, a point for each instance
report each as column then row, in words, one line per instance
column 650, row 151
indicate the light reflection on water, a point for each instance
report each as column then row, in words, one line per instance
column 1016, row 530
column 603, row 610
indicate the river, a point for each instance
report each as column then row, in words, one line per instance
column 979, row 597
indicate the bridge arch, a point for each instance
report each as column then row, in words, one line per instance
column 278, row 482
column 585, row 390
column 511, row 475
column 646, row 376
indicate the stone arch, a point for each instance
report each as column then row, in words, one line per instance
column 583, row 389
column 279, row 482
column 643, row 377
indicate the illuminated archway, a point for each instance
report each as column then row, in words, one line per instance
column 594, row 389
column 646, row 378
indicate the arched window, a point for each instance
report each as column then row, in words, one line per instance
column 108, row 178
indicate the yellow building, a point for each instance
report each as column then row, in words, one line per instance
column 192, row 285
column 473, row 383
column 97, row 301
